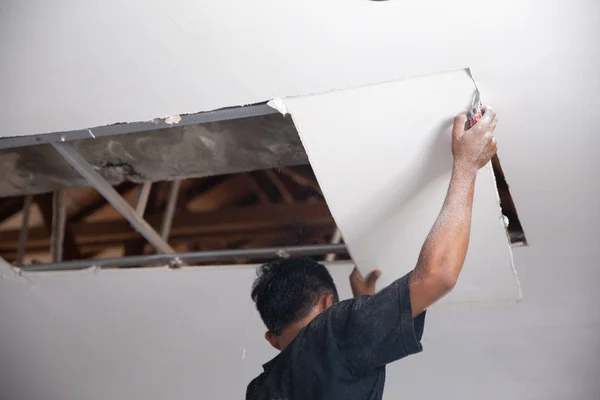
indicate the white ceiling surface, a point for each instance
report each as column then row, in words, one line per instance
column 537, row 62
column 386, row 184
column 113, row 61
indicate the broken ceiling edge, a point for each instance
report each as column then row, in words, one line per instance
column 279, row 105
column 222, row 114
column 505, row 227
column 182, row 119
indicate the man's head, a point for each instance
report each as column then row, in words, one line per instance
column 289, row 294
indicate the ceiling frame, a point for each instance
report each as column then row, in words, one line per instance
column 178, row 259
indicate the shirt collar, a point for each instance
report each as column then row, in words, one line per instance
column 267, row 366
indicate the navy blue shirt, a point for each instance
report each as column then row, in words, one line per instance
column 342, row 353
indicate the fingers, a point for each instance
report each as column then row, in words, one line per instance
column 489, row 136
column 489, row 115
column 486, row 123
column 491, row 119
column 363, row 286
column 372, row 277
column 493, row 124
column 356, row 275
column 459, row 125
column 493, row 146
column 486, row 109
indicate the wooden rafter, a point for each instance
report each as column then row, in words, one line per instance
column 258, row 191
column 302, row 180
column 227, row 223
column 70, row 249
column 137, row 246
column 286, row 195
column 202, row 187
column 100, row 203
column 266, row 185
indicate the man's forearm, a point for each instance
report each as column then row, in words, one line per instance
column 444, row 251
column 445, row 248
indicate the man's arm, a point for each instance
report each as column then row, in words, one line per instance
column 444, row 251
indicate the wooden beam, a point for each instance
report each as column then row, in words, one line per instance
column 302, row 180
column 267, row 186
column 236, row 221
column 202, row 187
column 22, row 245
column 286, row 195
column 223, row 195
column 137, row 246
column 100, row 203
column 262, row 196
column 70, row 250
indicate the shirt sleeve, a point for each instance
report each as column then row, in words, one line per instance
column 372, row 331
column 252, row 389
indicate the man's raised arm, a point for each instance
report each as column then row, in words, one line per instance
column 444, row 251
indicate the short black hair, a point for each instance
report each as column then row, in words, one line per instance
column 286, row 290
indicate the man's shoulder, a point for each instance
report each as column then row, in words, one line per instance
column 253, row 389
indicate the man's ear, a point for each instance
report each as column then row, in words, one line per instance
column 273, row 339
column 326, row 301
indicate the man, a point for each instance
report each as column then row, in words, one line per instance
column 338, row 350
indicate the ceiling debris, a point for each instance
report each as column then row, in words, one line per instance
column 173, row 119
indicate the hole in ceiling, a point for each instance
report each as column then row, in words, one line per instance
column 513, row 225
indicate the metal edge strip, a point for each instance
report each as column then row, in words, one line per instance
column 223, row 114
column 179, row 258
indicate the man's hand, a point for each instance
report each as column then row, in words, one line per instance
column 361, row 285
column 472, row 149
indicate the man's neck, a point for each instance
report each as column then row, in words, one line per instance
column 291, row 331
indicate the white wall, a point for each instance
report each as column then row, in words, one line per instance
column 132, row 334
column 157, row 333
column 66, row 65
